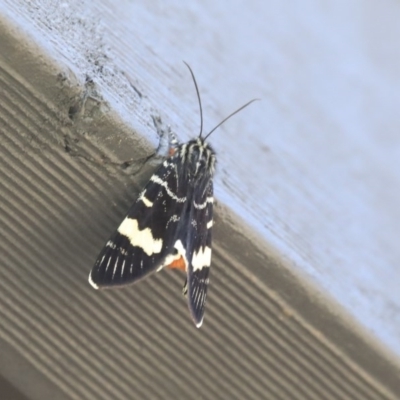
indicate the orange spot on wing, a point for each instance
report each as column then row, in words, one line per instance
column 178, row 264
column 172, row 151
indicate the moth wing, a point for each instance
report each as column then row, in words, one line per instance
column 147, row 234
column 198, row 245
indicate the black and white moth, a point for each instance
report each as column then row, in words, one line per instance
column 169, row 225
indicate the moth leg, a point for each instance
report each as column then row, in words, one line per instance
column 168, row 140
column 185, row 288
column 163, row 133
column 173, row 142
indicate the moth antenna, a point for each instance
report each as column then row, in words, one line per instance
column 230, row 115
column 198, row 98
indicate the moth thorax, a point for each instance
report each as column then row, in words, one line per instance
column 200, row 158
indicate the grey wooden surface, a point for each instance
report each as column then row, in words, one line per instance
column 311, row 171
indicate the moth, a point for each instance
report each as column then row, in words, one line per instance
column 169, row 225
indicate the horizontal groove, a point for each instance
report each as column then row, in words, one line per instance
column 47, row 340
column 285, row 347
column 327, row 362
column 257, row 332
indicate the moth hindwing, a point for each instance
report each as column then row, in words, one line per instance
column 169, row 225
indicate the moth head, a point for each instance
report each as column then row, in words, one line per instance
column 200, row 157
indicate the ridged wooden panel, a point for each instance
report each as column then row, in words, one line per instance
column 57, row 208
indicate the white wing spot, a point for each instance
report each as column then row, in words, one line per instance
column 181, row 250
column 201, row 259
column 145, row 200
column 92, row 283
column 157, row 179
column 140, row 238
column 123, row 268
column 115, row 268
column 111, row 244
column 203, row 205
column 108, row 263
column 210, row 224
column 174, row 218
